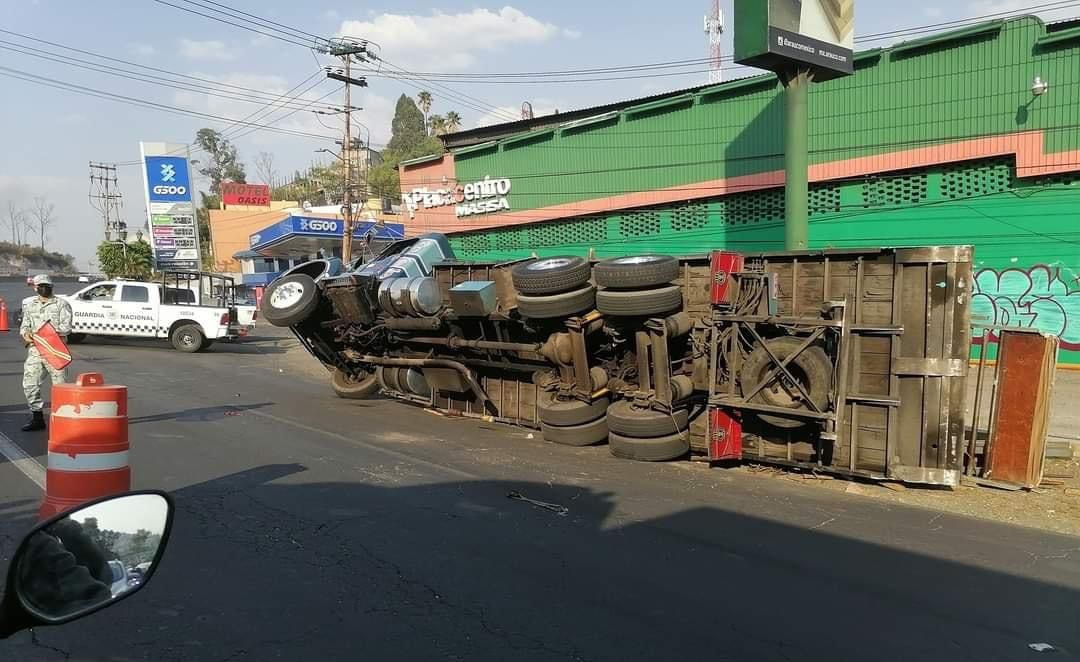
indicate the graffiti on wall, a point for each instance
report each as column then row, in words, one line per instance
column 1042, row 297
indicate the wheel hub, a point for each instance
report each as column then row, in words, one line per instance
column 287, row 295
column 549, row 263
column 639, row 259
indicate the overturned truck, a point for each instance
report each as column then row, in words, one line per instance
column 847, row 361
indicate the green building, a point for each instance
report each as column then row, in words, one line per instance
column 970, row 136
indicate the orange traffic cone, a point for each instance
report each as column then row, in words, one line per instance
column 3, row 316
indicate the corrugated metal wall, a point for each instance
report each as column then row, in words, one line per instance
column 949, row 91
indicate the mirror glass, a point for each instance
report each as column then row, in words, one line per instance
column 92, row 556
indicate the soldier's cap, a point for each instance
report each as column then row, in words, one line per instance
column 42, row 279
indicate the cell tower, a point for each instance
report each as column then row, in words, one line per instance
column 714, row 27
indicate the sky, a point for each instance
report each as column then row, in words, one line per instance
column 50, row 135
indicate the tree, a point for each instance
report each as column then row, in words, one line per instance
column 222, row 162
column 424, row 101
column 453, row 122
column 407, row 127
column 44, row 213
column 264, row 168
column 16, row 219
column 120, row 260
column 438, row 125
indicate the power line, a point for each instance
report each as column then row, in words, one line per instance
column 272, row 35
column 71, row 87
column 73, row 49
column 268, row 22
column 153, row 80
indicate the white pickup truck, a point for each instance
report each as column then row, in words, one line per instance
column 134, row 309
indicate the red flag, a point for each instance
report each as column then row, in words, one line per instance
column 51, row 346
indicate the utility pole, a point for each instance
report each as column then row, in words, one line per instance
column 346, row 50
column 105, row 197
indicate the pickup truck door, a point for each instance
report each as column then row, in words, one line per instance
column 137, row 310
column 92, row 310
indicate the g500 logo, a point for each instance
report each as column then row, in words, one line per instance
column 317, row 226
column 169, row 190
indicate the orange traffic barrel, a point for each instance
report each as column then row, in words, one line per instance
column 88, row 443
column 4, row 316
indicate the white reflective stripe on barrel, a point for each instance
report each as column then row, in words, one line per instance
column 96, row 409
column 88, row 461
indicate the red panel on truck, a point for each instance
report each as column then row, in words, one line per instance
column 725, row 435
column 724, row 263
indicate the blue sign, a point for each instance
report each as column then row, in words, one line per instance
column 307, row 234
column 167, row 179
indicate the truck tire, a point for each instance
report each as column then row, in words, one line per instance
column 639, row 303
column 630, row 421
column 76, row 338
column 655, row 449
column 812, row 368
column 290, row 300
column 637, row 271
column 557, row 305
column 551, row 275
column 557, row 412
column 350, row 387
column 585, row 434
column 187, row 338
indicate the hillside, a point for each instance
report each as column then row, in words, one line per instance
column 17, row 260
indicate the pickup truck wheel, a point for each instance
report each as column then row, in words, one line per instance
column 554, row 411
column 76, row 338
column 290, row 300
column 812, row 369
column 626, row 273
column 550, row 275
column 586, row 434
column 187, row 338
column 639, row 303
column 655, row 449
column 631, row 421
column 557, row 305
column 354, row 387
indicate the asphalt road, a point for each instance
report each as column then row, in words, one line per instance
column 320, row 529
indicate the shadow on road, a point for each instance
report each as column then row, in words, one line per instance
column 199, row 414
column 245, row 346
column 263, row 564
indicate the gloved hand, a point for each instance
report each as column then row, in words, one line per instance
column 52, row 580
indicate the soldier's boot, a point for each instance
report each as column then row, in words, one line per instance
column 36, row 422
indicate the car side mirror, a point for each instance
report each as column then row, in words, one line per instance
column 84, row 296
column 85, row 559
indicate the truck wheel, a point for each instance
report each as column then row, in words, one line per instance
column 76, row 338
column 187, row 338
column 812, row 368
column 655, row 449
column 638, row 303
column 569, row 412
column 550, row 275
column 630, row 421
column 625, row 273
column 557, row 305
column 290, row 300
column 353, row 387
column 586, row 434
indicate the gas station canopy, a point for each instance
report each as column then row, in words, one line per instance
column 304, row 236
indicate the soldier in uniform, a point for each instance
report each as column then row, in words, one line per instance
column 43, row 308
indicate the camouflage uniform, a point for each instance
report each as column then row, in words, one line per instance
column 35, row 313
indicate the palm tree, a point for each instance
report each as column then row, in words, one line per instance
column 424, row 101
column 438, row 125
column 453, row 122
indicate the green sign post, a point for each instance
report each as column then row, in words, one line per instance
column 802, row 41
